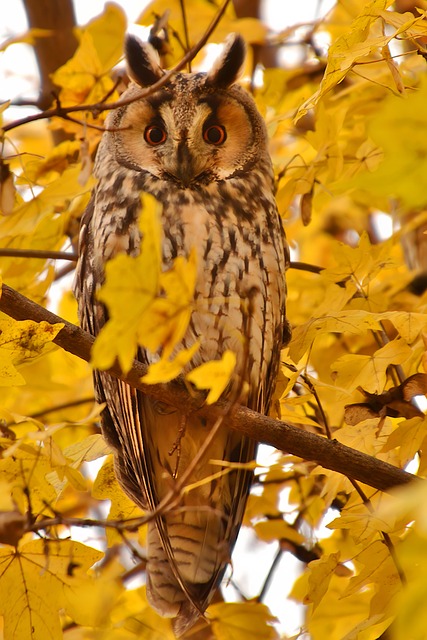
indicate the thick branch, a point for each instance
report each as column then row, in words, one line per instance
column 264, row 54
column 330, row 454
column 54, row 50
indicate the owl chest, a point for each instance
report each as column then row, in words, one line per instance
column 239, row 291
column 228, row 252
column 239, row 288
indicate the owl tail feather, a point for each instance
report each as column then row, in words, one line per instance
column 187, row 618
column 168, row 592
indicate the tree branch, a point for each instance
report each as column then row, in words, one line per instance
column 330, row 454
column 36, row 253
column 53, row 51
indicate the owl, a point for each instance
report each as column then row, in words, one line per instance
column 199, row 146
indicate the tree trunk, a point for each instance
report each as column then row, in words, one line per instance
column 53, row 51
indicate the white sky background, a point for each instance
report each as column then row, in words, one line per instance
column 19, row 79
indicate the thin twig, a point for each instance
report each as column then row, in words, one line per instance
column 304, row 266
column 61, row 407
column 313, row 390
column 84, row 123
column 270, row 574
column 69, row 268
column 185, row 25
column 36, row 253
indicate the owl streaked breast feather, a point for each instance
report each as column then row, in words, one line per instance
column 199, row 146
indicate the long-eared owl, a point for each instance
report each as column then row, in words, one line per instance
column 199, row 146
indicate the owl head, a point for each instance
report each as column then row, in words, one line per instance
column 197, row 129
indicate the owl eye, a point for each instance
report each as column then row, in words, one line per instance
column 154, row 135
column 215, row 134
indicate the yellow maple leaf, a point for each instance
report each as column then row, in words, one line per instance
column 108, row 31
column 133, row 613
column 37, row 580
column 292, row 409
column 369, row 371
column 408, row 437
column 320, row 574
column 147, row 307
column 214, row 375
column 357, row 42
column 408, row 324
column 90, row 448
column 411, row 620
column 106, row 487
column 165, row 370
column 21, row 341
column 166, row 321
column 9, row 375
column 42, row 170
column 364, row 437
column 26, row 338
column 352, row 322
column 55, row 197
column 79, row 74
column 414, row 26
column 272, row 530
column 32, row 276
column 66, row 462
column 376, row 567
column 403, row 167
column 361, row 263
column 242, row 621
column 100, row 48
column 352, row 610
column 131, row 286
column 25, row 469
column 362, row 524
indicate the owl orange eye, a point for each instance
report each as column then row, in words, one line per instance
column 154, row 135
column 215, row 134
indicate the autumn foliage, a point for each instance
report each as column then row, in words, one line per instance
column 348, row 130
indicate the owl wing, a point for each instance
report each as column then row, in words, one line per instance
column 120, row 400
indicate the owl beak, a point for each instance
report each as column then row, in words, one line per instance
column 184, row 167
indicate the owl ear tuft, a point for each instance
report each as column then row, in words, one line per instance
column 142, row 62
column 227, row 68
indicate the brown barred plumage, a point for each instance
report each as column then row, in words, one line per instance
column 199, row 146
